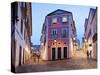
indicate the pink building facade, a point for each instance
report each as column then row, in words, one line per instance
column 58, row 35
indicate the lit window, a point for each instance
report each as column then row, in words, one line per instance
column 54, row 20
column 64, row 19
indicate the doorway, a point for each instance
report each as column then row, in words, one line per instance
column 65, row 52
column 59, row 52
column 20, row 51
column 53, row 53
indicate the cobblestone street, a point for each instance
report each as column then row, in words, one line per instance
column 79, row 61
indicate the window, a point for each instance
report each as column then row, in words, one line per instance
column 21, row 26
column 22, row 4
column 64, row 19
column 64, row 42
column 95, row 29
column 54, row 20
column 14, row 13
column 64, row 33
column 90, row 44
column 54, row 33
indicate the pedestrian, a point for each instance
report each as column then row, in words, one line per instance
column 38, row 58
column 34, row 57
column 87, row 54
column 90, row 53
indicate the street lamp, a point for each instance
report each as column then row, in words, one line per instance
column 55, row 40
column 74, row 38
column 42, row 44
column 85, row 40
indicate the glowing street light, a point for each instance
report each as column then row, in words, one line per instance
column 74, row 38
column 85, row 40
column 55, row 40
column 42, row 44
column 56, row 44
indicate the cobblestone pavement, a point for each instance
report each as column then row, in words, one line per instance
column 78, row 61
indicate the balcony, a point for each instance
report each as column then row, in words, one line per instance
column 54, row 36
column 64, row 36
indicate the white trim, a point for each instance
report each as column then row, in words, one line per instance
column 51, row 53
column 62, row 53
column 56, row 53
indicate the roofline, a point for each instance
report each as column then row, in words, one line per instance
column 57, row 10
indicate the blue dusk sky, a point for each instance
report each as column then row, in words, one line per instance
column 40, row 10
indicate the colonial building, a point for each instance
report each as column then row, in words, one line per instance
column 91, row 32
column 58, row 35
column 21, row 31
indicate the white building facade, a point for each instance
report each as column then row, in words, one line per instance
column 21, row 31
